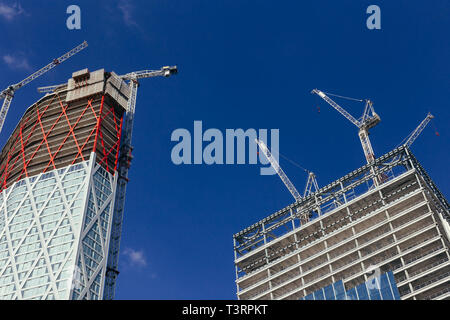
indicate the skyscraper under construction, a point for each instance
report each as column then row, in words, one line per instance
column 58, row 178
column 379, row 232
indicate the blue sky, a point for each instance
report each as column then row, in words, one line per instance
column 243, row 64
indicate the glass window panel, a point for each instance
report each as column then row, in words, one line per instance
column 374, row 293
column 385, row 288
column 362, row 292
column 339, row 288
column 341, row 296
column 318, row 295
column 393, row 285
column 329, row 293
column 351, row 294
column 386, row 293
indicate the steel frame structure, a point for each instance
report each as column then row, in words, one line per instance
column 45, row 120
column 269, row 253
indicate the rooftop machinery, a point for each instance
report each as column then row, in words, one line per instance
column 8, row 93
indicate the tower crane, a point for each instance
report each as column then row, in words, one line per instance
column 409, row 140
column 123, row 166
column 136, row 75
column 278, row 170
column 8, row 93
column 310, row 184
column 368, row 120
column 413, row 136
column 49, row 89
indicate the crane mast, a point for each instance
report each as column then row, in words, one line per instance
column 8, row 93
column 125, row 158
column 310, row 184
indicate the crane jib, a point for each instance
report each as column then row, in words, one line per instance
column 9, row 92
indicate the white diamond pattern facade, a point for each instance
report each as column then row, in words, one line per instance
column 54, row 233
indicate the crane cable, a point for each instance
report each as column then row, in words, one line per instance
column 343, row 97
column 291, row 161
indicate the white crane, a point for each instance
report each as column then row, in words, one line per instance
column 123, row 166
column 278, row 170
column 310, row 184
column 409, row 140
column 8, row 93
column 164, row 72
column 413, row 136
column 368, row 120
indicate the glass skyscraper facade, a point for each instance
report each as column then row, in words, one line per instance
column 382, row 287
column 54, row 231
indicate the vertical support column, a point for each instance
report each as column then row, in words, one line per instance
column 236, row 268
column 266, row 252
column 343, row 193
column 325, row 242
column 99, row 122
column 358, row 251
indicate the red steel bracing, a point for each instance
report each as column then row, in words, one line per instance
column 42, row 141
column 118, row 144
column 99, row 120
column 10, row 152
column 71, row 131
column 23, row 150
column 115, row 147
column 18, row 150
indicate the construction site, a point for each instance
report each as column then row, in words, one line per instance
column 380, row 232
column 63, row 175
